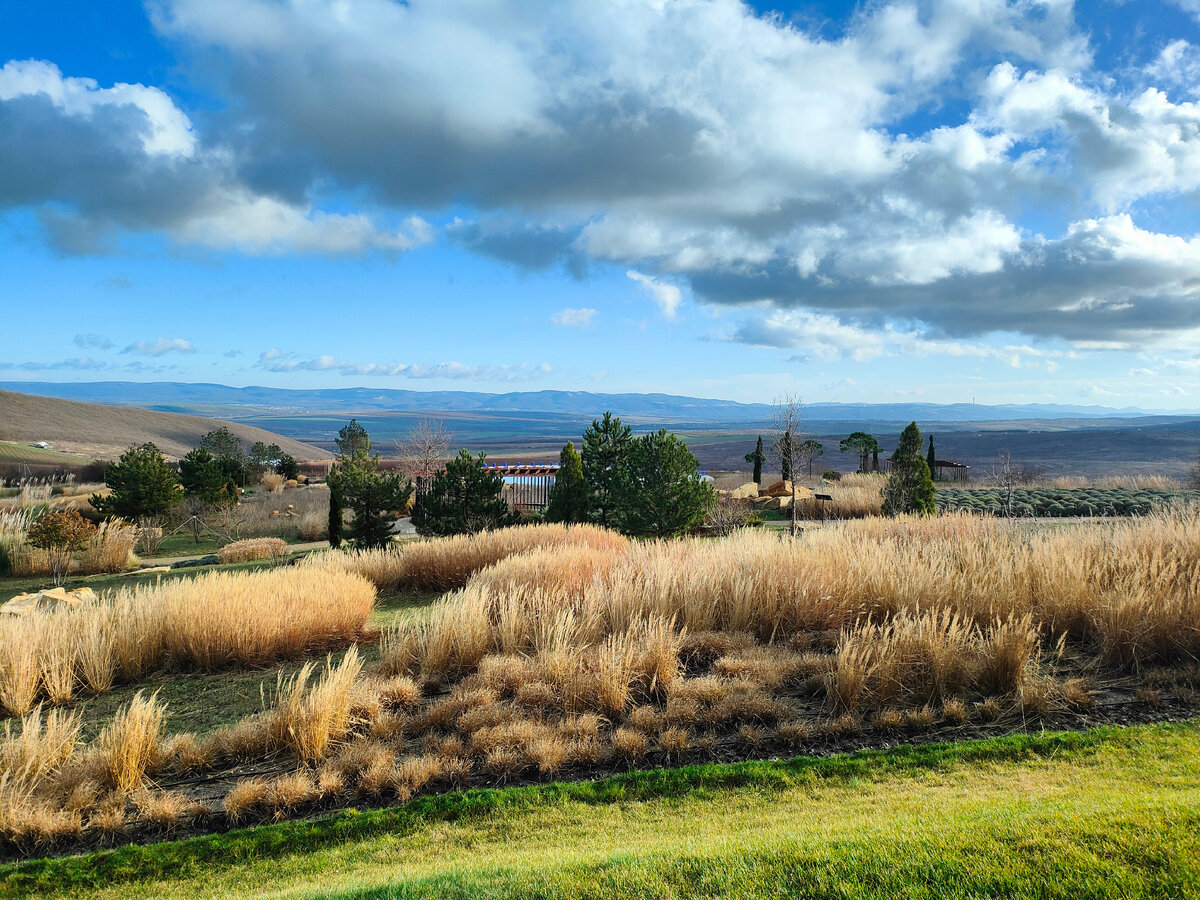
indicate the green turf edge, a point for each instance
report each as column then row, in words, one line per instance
column 179, row 859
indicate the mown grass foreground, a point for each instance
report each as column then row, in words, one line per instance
column 1108, row 813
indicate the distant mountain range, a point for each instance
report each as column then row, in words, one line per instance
column 229, row 402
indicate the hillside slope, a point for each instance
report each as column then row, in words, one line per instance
column 104, row 432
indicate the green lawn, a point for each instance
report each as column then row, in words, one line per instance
column 1110, row 813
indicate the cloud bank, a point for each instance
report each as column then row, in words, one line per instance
column 960, row 166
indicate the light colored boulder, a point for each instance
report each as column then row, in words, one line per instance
column 47, row 600
column 20, row 605
column 780, row 489
column 747, row 491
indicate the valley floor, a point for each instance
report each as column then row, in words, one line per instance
column 1113, row 812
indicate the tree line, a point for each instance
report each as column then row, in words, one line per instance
column 142, row 483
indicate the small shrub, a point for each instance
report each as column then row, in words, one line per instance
column 60, row 533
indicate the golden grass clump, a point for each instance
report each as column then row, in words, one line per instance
column 312, row 527
column 630, row 744
column 253, row 618
column 40, row 748
column 854, row 496
column 110, row 548
column 20, row 665
column 252, row 549
column 674, row 741
column 928, row 658
column 165, row 809
column 244, row 798
column 443, row 564
column 273, row 482
column 14, row 525
column 307, row 721
column 132, row 744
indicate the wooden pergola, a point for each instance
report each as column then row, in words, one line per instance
column 526, row 484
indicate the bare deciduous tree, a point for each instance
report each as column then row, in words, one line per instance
column 425, row 450
column 786, row 414
column 1008, row 475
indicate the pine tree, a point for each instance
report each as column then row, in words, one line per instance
column 757, row 458
column 909, row 487
column 605, row 446
column 865, row 446
column 142, row 484
column 353, row 441
column 355, row 482
column 570, row 494
column 201, row 475
column 226, row 447
column 463, row 498
column 288, row 467
column 375, row 497
column 663, row 493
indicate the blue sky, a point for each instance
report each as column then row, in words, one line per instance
column 902, row 199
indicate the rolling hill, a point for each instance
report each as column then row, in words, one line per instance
column 104, row 432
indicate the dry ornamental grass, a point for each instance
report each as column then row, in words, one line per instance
column 579, row 652
column 252, row 549
column 213, row 621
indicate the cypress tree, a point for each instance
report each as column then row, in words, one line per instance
column 785, row 449
column 335, row 519
column 758, row 457
column 931, row 458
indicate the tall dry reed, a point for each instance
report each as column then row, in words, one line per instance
column 442, row 564
column 1132, row 587
column 205, row 623
column 308, row 719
